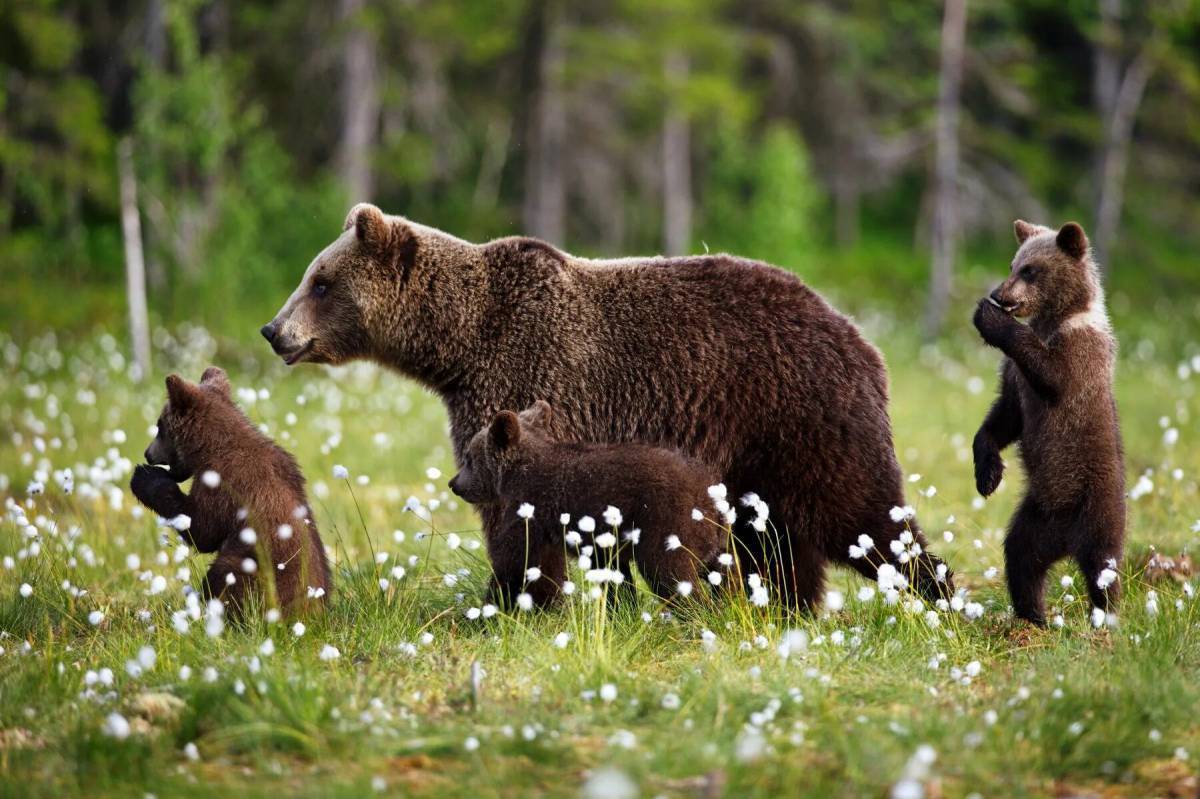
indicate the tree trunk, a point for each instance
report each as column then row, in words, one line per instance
column 1118, row 98
column 945, row 178
column 135, row 270
column 359, row 102
column 544, row 208
column 676, row 163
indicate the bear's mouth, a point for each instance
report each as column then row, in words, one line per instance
column 1006, row 307
column 293, row 357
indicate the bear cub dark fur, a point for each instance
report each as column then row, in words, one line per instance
column 247, row 499
column 1056, row 399
column 517, row 459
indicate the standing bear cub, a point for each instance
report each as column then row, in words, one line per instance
column 655, row 498
column 1056, row 398
column 247, row 502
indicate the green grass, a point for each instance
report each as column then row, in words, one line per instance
column 1071, row 709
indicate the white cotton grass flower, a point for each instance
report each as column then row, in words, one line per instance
column 573, row 538
column 180, row 523
column 116, row 726
column 564, row 519
column 524, row 601
column 298, row 629
column 902, row 513
column 725, row 559
column 340, row 472
column 561, row 640
column 697, row 515
column 329, row 652
column 532, row 574
column 714, row 578
column 857, row 552
column 1107, row 577
column 1142, row 487
column 95, row 617
column 266, row 648
column 612, row 516
column 834, row 601
column 525, row 511
column 633, row 536
column 606, row 540
column 608, row 782
column 586, row 524
column 718, row 492
column 673, row 543
column 684, row 588
column 608, row 692
column 26, row 590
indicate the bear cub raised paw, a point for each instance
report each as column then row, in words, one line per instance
column 1056, row 398
column 247, row 501
column 654, row 491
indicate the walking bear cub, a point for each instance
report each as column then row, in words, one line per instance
column 518, row 459
column 246, row 503
column 1056, row 398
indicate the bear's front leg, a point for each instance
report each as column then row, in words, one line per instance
column 514, row 547
column 995, row 326
column 989, row 466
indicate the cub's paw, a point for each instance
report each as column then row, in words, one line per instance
column 991, row 321
column 151, row 485
column 989, row 467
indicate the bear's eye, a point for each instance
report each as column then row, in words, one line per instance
column 320, row 287
column 1028, row 272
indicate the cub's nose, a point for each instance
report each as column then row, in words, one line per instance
column 996, row 298
column 268, row 332
column 146, row 455
column 454, row 484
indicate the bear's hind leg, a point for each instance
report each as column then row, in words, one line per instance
column 1096, row 553
column 1034, row 543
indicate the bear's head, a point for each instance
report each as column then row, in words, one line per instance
column 350, row 292
column 187, row 421
column 1052, row 276
column 510, row 441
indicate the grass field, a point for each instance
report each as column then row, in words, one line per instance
column 108, row 689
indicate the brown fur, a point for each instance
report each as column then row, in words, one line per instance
column 201, row 429
column 1056, row 398
column 517, row 459
column 734, row 362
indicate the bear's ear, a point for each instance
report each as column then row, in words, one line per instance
column 214, row 377
column 1072, row 240
column 539, row 414
column 369, row 223
column 505, row 430
column 181, row 394
column 1024, row 230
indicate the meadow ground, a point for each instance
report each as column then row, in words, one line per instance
column 409, row 687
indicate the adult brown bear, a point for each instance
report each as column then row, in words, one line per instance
column 735, row 362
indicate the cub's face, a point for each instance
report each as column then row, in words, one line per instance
column 1050, row 274
column 329, row 316
column 510, row 439
column 181, row 417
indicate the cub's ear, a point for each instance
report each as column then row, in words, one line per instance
column 505, row 430
column 539, row 414
column 369, row 223
column 1024, row 230
column 1072, row 240
column 214, row 377
column 180, row 393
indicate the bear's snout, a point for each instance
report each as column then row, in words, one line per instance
column 268, row 332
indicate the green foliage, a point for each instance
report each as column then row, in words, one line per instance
column 762, row 201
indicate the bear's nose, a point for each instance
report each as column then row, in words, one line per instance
column 146, row 454
column 996, row 298
column 268, row 332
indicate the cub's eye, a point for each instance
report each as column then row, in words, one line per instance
column 1028, row 272
column 319, row 288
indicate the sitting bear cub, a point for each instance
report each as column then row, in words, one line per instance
column 246, row 502
column 656, row 498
